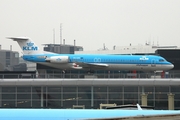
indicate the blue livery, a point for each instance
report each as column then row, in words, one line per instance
column 32, row 53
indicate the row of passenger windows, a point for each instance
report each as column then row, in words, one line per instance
column 108, row 60
column 112, row 60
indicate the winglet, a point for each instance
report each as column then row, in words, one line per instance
column 139, row 107
column 17, row 38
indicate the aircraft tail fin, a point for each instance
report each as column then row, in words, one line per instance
column 27, row 45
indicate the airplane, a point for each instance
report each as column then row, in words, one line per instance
column 83, row 114
column 32, row 53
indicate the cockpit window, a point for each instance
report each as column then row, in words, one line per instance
column 161, row 60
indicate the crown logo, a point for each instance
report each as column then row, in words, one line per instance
column 30, row 44
column 58, row 59
column 144, row 58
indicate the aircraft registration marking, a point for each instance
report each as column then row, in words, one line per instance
column 41, row 56
column 141, row 65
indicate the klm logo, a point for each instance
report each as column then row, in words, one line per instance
column 30, row 46
column 58, row 59
column 144, row 58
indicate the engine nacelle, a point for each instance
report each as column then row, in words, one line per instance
column 58, row 59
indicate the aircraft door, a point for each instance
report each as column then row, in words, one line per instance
column 153, row 63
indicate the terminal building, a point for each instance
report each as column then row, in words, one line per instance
column 63, row 48
column 52, row 88
column 8, row 59
column 89, row 93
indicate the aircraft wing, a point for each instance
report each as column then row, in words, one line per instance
column 87, row 114
column 89, row 65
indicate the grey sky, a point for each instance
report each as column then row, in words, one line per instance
column 91, row 22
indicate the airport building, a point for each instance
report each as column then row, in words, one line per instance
column 8, row 59
column 62, row 48
column 89, row 93
column 131, row 49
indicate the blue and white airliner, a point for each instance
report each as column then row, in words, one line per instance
column 32, row 53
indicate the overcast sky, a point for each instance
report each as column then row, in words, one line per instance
column 91, row 22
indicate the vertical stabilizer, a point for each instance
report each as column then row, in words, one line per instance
column 27, row 46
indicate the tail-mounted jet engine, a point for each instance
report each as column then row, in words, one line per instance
column 58, row 59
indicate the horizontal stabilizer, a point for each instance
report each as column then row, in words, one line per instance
column 18, row 38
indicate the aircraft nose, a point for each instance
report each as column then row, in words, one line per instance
column 171, row 66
